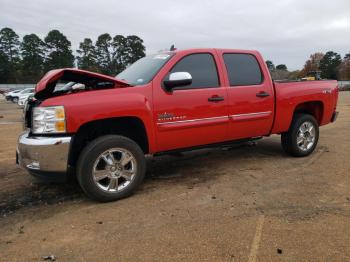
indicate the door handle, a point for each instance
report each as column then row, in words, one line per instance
column 216, row 99
column 262, row 94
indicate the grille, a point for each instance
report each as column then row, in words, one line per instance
column 28, row 113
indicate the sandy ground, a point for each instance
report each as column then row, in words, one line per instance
column 246, row 203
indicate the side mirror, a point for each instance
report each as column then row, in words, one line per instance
column 178, row 79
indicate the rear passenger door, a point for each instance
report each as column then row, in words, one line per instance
column 195, row 114
column 250, row 96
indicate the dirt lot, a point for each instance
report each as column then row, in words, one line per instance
column 246, row 203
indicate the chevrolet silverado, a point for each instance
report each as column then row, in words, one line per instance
column 99, row 128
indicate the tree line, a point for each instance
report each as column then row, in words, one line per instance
column 329, row 65
column 26, row 60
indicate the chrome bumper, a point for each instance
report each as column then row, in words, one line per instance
column 43, row 154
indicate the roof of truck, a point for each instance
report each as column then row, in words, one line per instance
column 224, row 50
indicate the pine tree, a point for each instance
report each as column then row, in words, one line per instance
column 9, row 55
column 59, row 53
column 32, row 51
column 329, row 65
column 104, row 54
column 136, row 49
column 86, row 58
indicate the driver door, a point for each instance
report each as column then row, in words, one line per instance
column 191, row 115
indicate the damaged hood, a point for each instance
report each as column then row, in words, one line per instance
column 46, row 86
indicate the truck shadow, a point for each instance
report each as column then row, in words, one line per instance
column 188, row 168
column 176, row 165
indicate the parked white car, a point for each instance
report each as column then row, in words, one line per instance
column 23, row 99
column 27, row 100
column 22, row 94
column 9, row 95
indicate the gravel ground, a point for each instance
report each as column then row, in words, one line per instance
column 243, row 203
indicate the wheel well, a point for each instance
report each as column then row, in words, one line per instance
column 131, row 127
column 314, row 108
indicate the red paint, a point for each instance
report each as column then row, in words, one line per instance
column 196, row 121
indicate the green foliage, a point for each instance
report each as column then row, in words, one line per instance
column 135, row 48
column 113, row 55
column 59, row 53
column 281, row 67
column 33, row 55
column 329, row 65
column 4, row 68
column 9, row 44
column 27, row 61
column 86, row 58
column 344, row 68
column 9, row 57
column 104, row 53
column 120, row 56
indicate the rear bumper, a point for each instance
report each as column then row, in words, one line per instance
column 44, row 157
column 334, row 116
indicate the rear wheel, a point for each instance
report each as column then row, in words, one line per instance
column 110, row 168
column 302, row 136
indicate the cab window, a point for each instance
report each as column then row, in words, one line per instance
column 243, row 69
column 202, row 68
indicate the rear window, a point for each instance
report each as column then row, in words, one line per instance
column 243, row 69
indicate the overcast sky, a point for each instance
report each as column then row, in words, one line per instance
column 285, row 31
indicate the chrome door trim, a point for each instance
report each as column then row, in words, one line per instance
column 191, row 123
column 250, row 116
column 193, row 120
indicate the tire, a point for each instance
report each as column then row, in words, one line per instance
column 295, row 134
column 104, row 155
column 15, row 100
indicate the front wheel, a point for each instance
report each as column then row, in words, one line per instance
column 110, row 168
column 302, row 136
column 15, row 100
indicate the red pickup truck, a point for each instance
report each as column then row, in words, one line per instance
column 100, row 128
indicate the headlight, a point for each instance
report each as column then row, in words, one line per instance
column 49, row 120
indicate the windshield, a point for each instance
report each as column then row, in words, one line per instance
column 143, row 70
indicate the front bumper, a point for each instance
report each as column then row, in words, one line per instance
column 21, row 102
column 44, row 157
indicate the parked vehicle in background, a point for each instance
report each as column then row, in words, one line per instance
column 22, row 94
column 312, row 76
column 30, row 97
column 23, row 99
column 10, row 94
column 5, row 90
column 173, row 101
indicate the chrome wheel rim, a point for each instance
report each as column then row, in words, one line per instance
column 306, row 136
column 114, row 170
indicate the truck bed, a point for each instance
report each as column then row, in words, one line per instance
column 321, row 95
